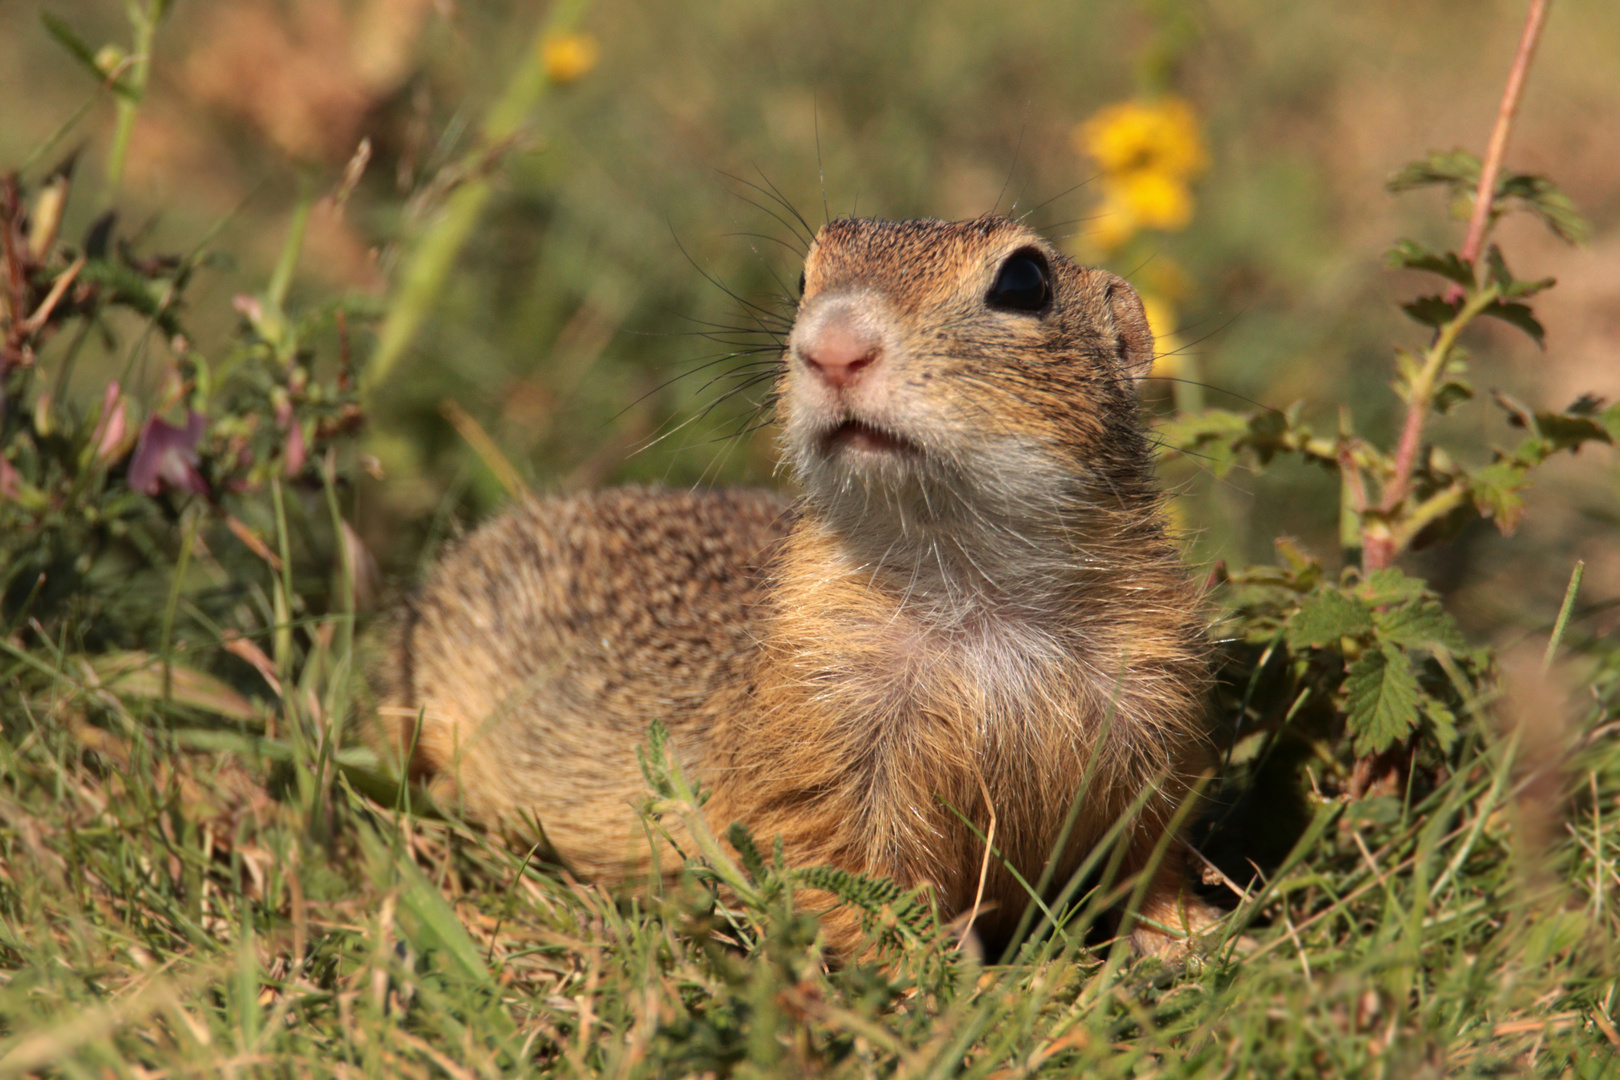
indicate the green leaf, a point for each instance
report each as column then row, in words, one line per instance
column 1390, row 586
column 1214, row 436
column 1381, row 699
column 67, row 37
column 1610, row 419
column 1453, row 168
column 654, row 760
column 1509, row 285
column 1433, row 311
column 1325, row 617
column 1567, row 431
column 1414, row 256
column 1420, row 625
column 1442, row 721
column 1541, row 197
column 1459, row 171
column 1586, row 405
column 1518, row 315
column 1451, row 393
column 747, row 852
column 1494, row 490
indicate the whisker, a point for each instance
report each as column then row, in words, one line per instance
column 767, row 211
column 776, row 197
column 794, row 210
column 1013, row 168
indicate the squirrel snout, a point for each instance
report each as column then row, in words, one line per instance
column 837, row 352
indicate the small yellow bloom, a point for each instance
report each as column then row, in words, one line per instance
column 1113, row 225
column 1149, row 151
column 1145, row 136
column 1155, row 200
column 1161, row 317
column 566, row 57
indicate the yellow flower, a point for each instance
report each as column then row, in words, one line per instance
column 1155, row 200
column 1171, row 358
column 1145, row 136
column 1161, row 317
column 566, row 57
column 1113, row 225
column 1148, row 151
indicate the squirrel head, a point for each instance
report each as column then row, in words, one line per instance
column 956, row 372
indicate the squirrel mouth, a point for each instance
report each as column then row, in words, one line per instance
column 864, row 437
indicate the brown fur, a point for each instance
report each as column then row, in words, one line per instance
column 962, row 625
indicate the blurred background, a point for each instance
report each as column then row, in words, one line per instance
column 645, row 199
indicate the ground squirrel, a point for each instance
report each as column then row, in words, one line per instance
column 971, row 604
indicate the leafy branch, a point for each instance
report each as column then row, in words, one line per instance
column 1401, row 657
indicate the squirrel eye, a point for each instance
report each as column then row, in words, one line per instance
column 801, row 282
column 1022, row 284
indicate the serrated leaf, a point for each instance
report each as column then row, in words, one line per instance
column 1541, row 197
column 1517, row 315
column 1414, row 256
column 1214, row 436
column 1420, row 625
column 1587, row 404
column 1381, row 699
column 1506, row 283
column 1390, row 585
column 1270, row 433
column 1566, row 432
column 1496, row 266
column 747, row 852
column 1442, row 721
column 1451, row 393
column 1529, row 288
column 1456, row 168
column 1304, row 569
column 1325, row 617
column 1433, row 311
column 1494, row 490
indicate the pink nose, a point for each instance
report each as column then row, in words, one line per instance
column 839, row 353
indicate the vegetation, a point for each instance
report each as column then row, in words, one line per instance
column 206, row 867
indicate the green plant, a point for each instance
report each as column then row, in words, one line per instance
column 1405, row 667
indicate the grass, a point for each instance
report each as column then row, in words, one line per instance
column 182, row 895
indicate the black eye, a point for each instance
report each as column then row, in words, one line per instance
column 1022, row 284
column 801, row 282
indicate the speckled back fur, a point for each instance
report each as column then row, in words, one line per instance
column 545, row 643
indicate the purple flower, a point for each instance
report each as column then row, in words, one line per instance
column 166, row 454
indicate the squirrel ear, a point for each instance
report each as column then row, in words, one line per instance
column 1126, row 326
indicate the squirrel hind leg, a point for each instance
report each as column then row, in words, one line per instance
column 1172, row 917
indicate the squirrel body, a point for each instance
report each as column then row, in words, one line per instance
column 971, row 622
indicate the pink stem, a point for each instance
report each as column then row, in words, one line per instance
column 1380, row 555
column 1485, row 194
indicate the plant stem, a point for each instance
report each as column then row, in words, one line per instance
column 435, row 251
column 1429, row 510
column 1379, row 546
column 1485, row 195
column 140, row 62
column 188, row 540
column 275, row 295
